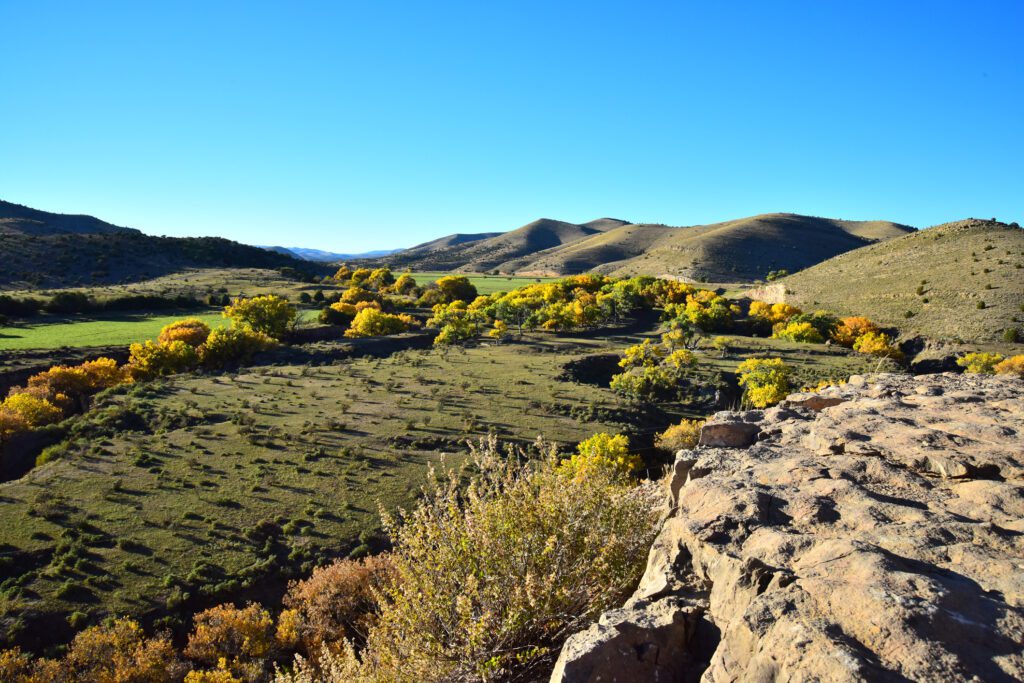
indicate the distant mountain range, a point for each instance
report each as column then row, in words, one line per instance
column 321, row 256
column 741, row 250
column 39, row 249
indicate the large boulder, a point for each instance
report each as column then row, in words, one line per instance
column 877, row 536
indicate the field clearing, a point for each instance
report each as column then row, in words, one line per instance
column 198, row 283
column 485, row 284
column 110, row 330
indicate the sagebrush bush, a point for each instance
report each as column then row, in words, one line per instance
column 489, row 579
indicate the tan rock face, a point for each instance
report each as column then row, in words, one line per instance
column 873, row 533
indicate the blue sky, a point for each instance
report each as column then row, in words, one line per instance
column 352, row 126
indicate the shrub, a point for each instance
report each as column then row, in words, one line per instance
column 602, row 451
column 1011, row 335
column 490, row 578
column 372, row 322
column 1013, row 365
column 241, row 639
column 228, row 346
column 802, row 332
column 683, row 436
column 877, row 344
column 981, row 363
column 270, row 315
column 765, row 381
column 850, row 329
column 343, row 274
column 147, row 360
column 336, row 601
column 190, row 330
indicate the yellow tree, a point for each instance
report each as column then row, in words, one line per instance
column 268, row 314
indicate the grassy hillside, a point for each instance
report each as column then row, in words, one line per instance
column 734, row 251
column 933, row 282
column 480, row 255
column 42, row 249
column 742, row 250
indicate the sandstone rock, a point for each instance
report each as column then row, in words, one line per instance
column 899, row 556
column 728, row 434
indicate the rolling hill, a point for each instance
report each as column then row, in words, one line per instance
column 42, row 249
column 741, row 250
column 491, row 251
column 956, row 281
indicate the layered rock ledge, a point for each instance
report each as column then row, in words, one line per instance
column 873, row 531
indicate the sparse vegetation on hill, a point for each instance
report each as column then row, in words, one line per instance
column 743, row 250
column 958, row 281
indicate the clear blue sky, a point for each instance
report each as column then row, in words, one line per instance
column 360, row 125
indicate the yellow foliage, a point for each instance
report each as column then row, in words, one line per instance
column 213, row 676
column 980, row 363
column 147, row 360
column 372, row 322
column 1014, row 365
column 772, row 313
column 31, row 410
column 190, row 330
column 765, row 381
column 851, row 328
column 877, row 344
column 224, row 347
column 604, row 452
column 336, row 602
column 268, row 314
column 289, row 622
column 797, row 332
column 239, row 640
column 121, row 652
column 680, row 359
column 499, row 331
column 683, row 436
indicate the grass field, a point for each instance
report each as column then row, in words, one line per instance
column 110, row 330
column 223, row 481
column 485, row 284
column 198, row 283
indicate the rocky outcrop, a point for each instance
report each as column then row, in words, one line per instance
column 873, row 531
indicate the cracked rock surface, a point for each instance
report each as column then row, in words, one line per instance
column 873, row 531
